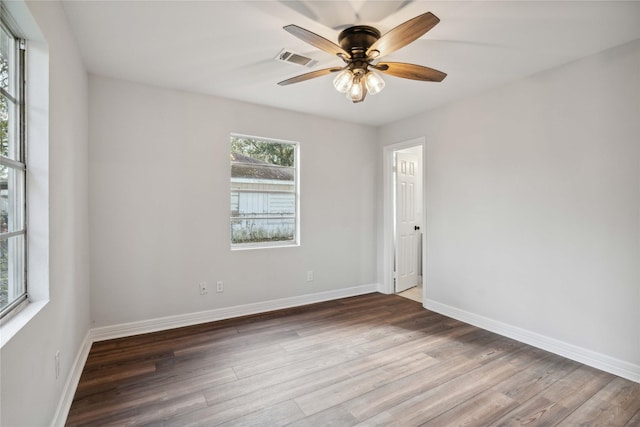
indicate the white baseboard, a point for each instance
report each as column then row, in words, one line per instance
column 591, row 358
column 177, row 321
column 70, row 386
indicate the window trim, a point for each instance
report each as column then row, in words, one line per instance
column 296, row 165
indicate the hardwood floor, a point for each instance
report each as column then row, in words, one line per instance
column 368, row 360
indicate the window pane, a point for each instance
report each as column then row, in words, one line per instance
column 12, row 284
column 8, row 131
column 11, row 199
column 262, row 203
column 257, row 230
column 6, row 59
column 4, row 127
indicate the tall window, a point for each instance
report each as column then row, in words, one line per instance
column 264, row 192
column 13, row 288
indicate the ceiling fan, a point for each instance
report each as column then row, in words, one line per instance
column 360, row 48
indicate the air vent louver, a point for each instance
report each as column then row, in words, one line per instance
column 294, row 58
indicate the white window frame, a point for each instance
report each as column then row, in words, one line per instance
column 270, row 244
column 16, row 233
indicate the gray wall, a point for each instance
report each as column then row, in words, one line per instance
column 533, row 194
column 159, row 204
column 29, row 389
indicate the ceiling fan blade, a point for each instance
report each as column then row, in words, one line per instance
column 315, row 40
column 404, row 34
column 311, row 75
column 410, row 71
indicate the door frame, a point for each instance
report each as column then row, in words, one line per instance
column 388, row 254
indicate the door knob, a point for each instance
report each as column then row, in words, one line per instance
column 415, row 227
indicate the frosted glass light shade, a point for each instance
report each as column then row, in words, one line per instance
column 343, row 81
column 374, row 83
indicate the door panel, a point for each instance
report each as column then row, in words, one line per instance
column 406, row 221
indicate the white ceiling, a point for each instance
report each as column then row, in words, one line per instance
column 227, row 48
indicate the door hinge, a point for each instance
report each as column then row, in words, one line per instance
column 22, row 44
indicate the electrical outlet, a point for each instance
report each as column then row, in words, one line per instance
column 57, row 359
column 310, row 276
column 219, row 286
column 203, row 288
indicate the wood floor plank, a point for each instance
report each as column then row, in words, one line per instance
column 164, row 338
column 218, row 359
column 383, row 398
column 368, row 360
column 154, row 389
column 377, row 355
column 318, row 349
column 339, row 392
column 347, row 356
column 86, row 415
column 294, row 319
column 428, row 402
column 123, row 356
column 277, row 415
column 480, row 411
column 634, row 421
column 556, row 402
column 364, row 341
column 427, row 405
column 336, row 416
column 241, row 406
column 156, row 413
column 265, row 380
column 236, row 343
column 531, row 382
column 615, row 404
column 93, row 379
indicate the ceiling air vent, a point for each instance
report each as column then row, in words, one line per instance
column 293, row 58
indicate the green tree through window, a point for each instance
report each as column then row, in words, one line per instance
column 274, row 153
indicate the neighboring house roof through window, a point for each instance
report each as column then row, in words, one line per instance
column 249, row 168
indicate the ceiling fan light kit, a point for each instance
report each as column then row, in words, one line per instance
column 360, row 47
column 343, row 81
column 374, row 82
column 356, row 92
column 347, row 82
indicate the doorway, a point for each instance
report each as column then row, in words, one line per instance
column 404, row 219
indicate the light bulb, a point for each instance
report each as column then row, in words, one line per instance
column 343, row 81
column 374, row 83
column 356, row 92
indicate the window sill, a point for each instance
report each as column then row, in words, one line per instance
column 12, row 326
column 249, row 247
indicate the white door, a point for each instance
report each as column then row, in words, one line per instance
column 406, row 221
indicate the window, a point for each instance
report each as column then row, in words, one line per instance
column 264, row 192
column 13, row 290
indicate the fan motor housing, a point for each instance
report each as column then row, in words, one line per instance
column 358, row 39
